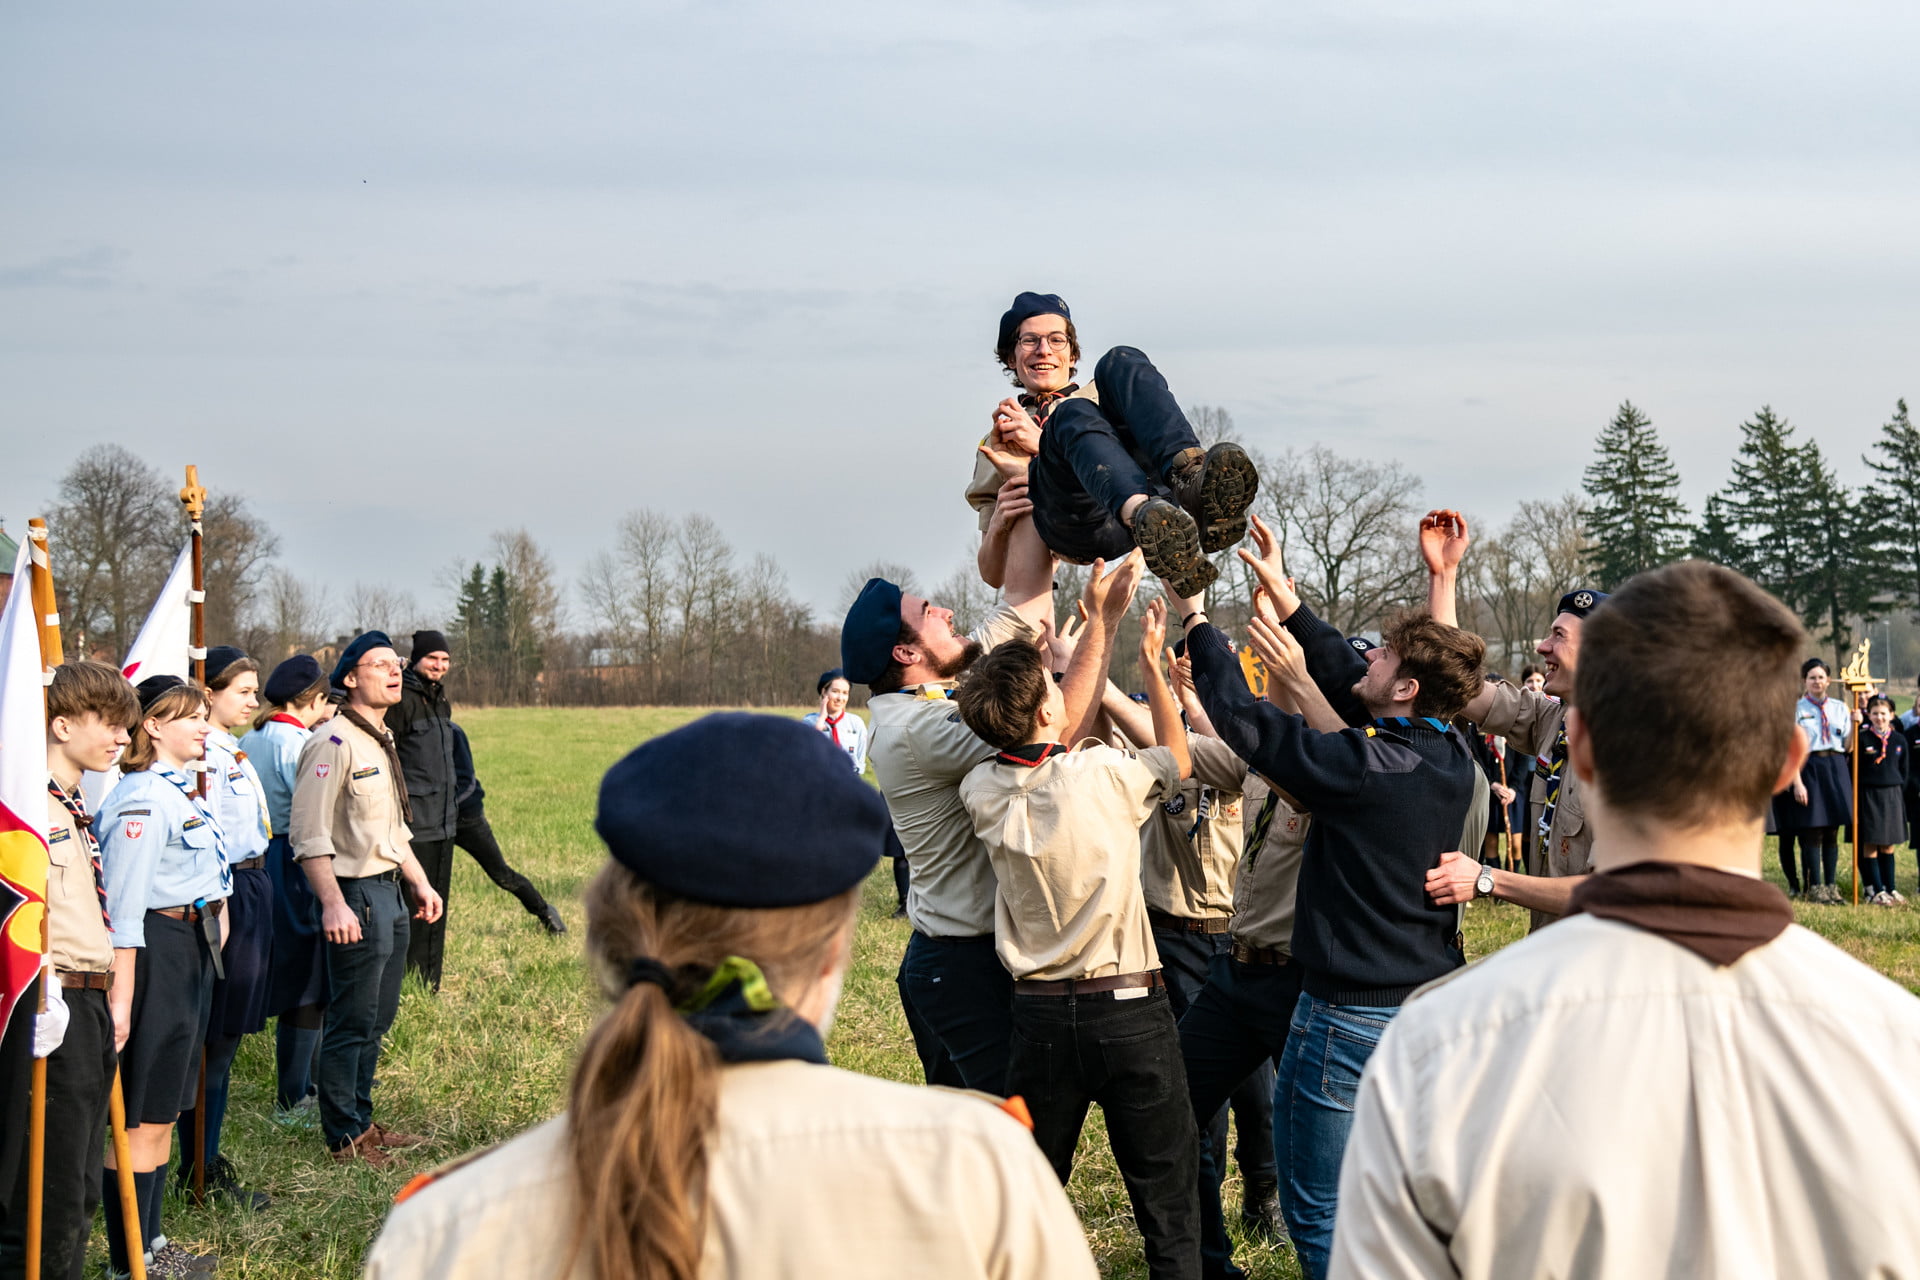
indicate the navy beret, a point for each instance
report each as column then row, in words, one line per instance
column 291, row 679
column 1580, row 602
column 150, row 689
column 351, row 655
column 871, row 630
column 827, row 678
column 220, row 657
column 1025, row 307
column 742, row 810
column 426, row 642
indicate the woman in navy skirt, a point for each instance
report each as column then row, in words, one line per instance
column 1819, row 801
column 1884, row 770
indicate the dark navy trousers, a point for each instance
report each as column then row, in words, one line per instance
column 958, row 1000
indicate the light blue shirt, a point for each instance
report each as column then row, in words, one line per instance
column 234, row 788
column 853, row 735
column 275, row 748
column 158, row 848
column 1826, row 723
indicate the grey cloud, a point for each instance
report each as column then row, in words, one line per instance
column 90, row 269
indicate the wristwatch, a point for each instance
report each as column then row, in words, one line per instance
column 1484, row 885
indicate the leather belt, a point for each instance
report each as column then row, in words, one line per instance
column 251, row 864
column 191, row 913
column 75, row 980
column 1260, row 955
column 376, row 876
column 1151, row 980
column 1187, row 924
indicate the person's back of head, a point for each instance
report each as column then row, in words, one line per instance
column 1686, row 688
column 1000, row 699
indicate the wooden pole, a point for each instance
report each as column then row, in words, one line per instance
column 46, row 622
column 194, row 499
column 1859, row 701
column 136, row 1230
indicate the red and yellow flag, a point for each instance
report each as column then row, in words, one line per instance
column 23, row 789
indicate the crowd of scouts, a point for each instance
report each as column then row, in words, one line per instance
column 222, row 882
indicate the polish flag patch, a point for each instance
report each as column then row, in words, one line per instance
column 322, row 770
column 134, row 828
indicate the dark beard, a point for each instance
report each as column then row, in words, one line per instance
column 960, row 661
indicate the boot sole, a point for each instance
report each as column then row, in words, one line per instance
column 1168, row 538
column 1228, row 483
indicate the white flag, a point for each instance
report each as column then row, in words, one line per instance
column 161, row 647
column 23, row 789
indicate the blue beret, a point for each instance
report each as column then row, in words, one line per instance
column 827, row 678
column 291, row 679
column 351, row 655
column 150, row 689
column 742, row 810
column 1361, row 645
column 1025, row 307
column 1580, row 602
column 220, row 657
column 868, row 635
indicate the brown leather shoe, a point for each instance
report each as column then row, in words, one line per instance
column 392, row 1139
column 363, row 1148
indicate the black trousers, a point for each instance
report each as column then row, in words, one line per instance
column 427, row 943
column 365, row 996
column 475, row 835
column 1071, row 1051
column 1236, row 1024
column 1094, row 457
column 962, row 997
column 1185, row 960
column 79, row 1083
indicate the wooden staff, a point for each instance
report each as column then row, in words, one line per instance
column 1506, row 817
column 1857, row 675
column 135, row 1229
column 194, row 498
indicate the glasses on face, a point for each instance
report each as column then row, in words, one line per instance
column 391, row 666
column 1034, row 341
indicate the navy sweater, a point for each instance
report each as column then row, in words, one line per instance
column 1386, row 803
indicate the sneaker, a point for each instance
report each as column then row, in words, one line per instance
column 172, row 1260
column 1170, row 541
column 1883, row 899
column 1216, row 488
column 550, row 919
column 392, row 1139
column 302, row 1117
column 362, row 1149
column 1260, row 1217
column 1899, row 899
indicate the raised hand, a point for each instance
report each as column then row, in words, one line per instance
column 1011, row 466
column 1014, row 429
column 1443, row 539
column 1108, row 597
column 1153, row 636
column 1275, row 646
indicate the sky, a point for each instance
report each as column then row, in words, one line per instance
column 405, row 275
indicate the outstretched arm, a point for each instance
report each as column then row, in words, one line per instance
column 1332, row 663
column 1009, row 508
column 1168, row 732
column 1443, row 540
column 1106, row 598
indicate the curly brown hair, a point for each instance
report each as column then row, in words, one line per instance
column 1445, row 660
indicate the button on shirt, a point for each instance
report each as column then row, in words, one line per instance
column 1190, row 847
column 158, row 848
column 1826, row 723
column 275, row 748
column 76, row 935
column 346, row 804
column 1063, row 837
column 920, row 753
column 1269, row 877
column 234, row 788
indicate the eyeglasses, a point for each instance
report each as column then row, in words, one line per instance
column 1032, row 341
column 392, row 666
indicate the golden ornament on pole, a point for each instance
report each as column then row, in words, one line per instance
column 1858, row 677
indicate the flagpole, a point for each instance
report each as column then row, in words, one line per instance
column 194, row 498
column 46, row 617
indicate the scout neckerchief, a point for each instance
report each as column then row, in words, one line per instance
column 1033, row 755
column 259, row 796
column 282, row 717
column 83, row 827
column 1040, row 404
column 1826, row 729
column 1405, row 723
column 1551, row 768
column 1718, row 915
column 733, row 1007
column 1886, row 740
column 833, row 727
column 179, row 780
column 385, row 738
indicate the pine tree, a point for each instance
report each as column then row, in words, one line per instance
column 1767, row 505
column 1842, row 569
column 1716, row 539
column 1636, row 520
column 1894, row 501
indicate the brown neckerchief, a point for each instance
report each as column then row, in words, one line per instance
column 381, row 735
column 1717, row 915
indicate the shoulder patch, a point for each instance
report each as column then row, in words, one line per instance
column 322, row 770
column 336, row 739
column 134, row 813
column 953, row 717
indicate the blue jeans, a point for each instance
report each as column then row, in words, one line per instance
column 365, row 996
column 1327, row 1048
column 961, row 997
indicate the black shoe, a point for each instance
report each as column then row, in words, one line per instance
column 223, row 1181
column 899, row 913
column 1170, row 540
column 550, row 919
column 1260, row 1217
column 1216, row 488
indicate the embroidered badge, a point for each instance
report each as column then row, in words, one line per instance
column 134, row 829
column 368, row 772
column 1176, row 806
column 193, row 824
column 1293, row 824
column 322, row 770
column 64, row 833
column 235, row 775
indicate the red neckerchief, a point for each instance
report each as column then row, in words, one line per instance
column 1033, row 754
column 283, row 718
column 833, row 726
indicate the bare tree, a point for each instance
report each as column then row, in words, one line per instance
column 115, row 532
column 1347, row 527
column 963, row 592
column 898, row 574
column 1519, row 574
column 379, row 607
column 292, row 617
column 1211, row 424
column 238, row 547
column 533, row 612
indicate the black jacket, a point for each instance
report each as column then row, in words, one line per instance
column 423, row 731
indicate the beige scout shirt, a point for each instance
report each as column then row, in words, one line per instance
column 1263, row 898
column 76, row 934
column 1530, row 722
column 1192, row 876
column 815, row 1172
column 1596, row 1101
column 983, row 490
column 346, row 803
column 920, row 752
column 1064, row 840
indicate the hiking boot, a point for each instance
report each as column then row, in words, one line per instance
column 550, row 919
column 362, row 1149
column 1170, row 541
column 173, row 1260
column 392, row 1139
column 1216, row 488
column 1260, row 1217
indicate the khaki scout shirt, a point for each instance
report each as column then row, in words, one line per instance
column 815, row 1172
column 76, row 934
column 1064, row 840
column 1263, row 898
column 984, row 489
column 1192, row 875
column 346, row 803
column 920, row 752
column 1530, row 722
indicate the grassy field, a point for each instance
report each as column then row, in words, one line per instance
column 490, row 1055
